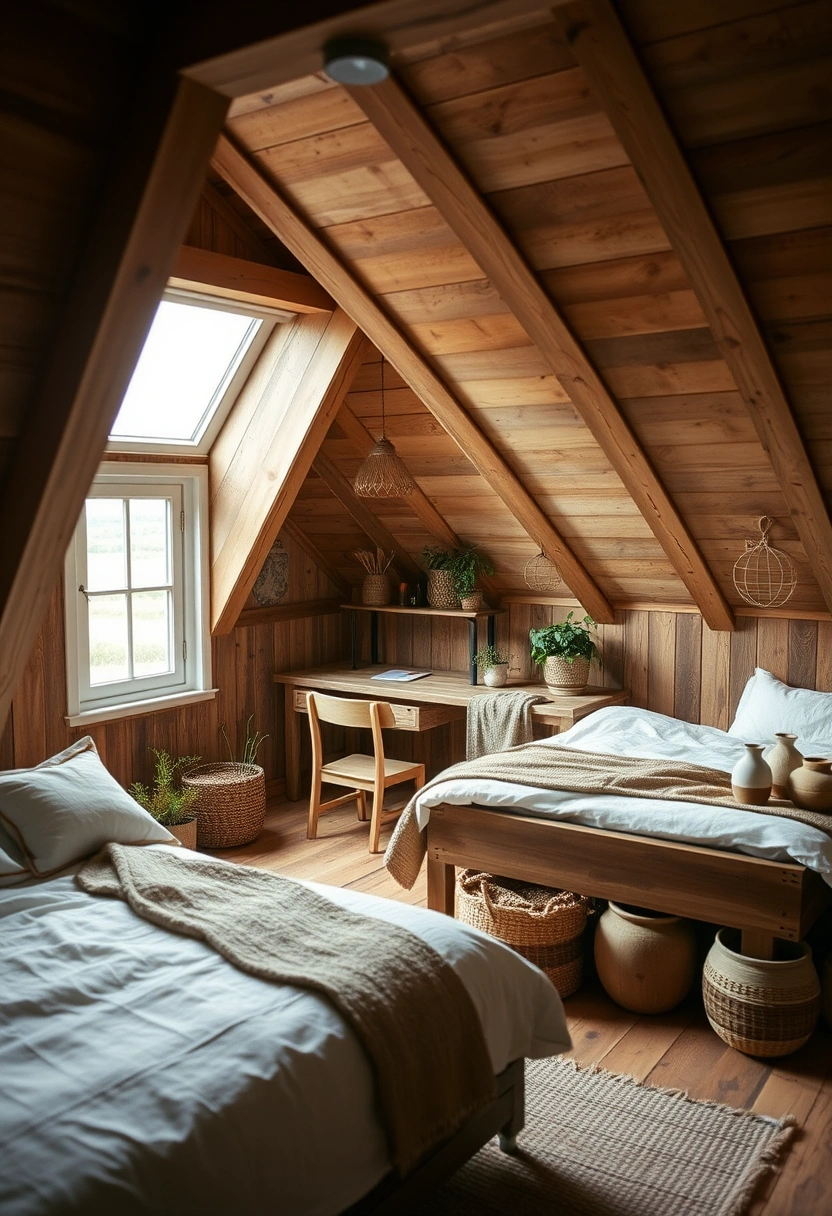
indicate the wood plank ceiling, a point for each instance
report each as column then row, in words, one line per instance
column 519, row 117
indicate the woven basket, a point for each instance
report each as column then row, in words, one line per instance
column 232, row 803
column 562, row 675
column 546, row 926
column 759, row 1006
column 441, row 592
column 375, row 590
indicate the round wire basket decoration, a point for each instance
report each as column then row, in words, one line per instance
column 763, row 576
column 541, row 573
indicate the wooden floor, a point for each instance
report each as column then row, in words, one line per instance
column 678, row 1049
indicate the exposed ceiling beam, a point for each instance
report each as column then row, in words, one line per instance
column 423, row 154
column 603, row 49
column 248, row 282
column 262, row 196
column 320, row 559
column 365, row 518
column 266, row 447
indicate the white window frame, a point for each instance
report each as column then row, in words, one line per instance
column 188, row 487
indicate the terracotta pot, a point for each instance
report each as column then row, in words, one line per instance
column 472, row 602
column 441, row 592
column 185, row 833
column 375, row 590
column 496, row 676
column 810, row 786
column 563, row 676
column 783, row 759
column 751, row 777
column 646, row 960
column 764, row 1007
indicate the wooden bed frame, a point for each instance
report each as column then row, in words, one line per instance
column 763, row 899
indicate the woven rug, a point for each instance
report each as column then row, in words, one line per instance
column 599, row 1144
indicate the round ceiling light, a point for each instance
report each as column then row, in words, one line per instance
column 355, row 61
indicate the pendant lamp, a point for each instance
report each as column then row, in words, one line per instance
column 383, row 474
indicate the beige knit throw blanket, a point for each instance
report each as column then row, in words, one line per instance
column 408, row 1008
column 565, row 768
column 499, row 720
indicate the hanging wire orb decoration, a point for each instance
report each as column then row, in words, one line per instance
column 541, row 573
column 763, row 576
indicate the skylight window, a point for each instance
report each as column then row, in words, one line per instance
column 193, row 364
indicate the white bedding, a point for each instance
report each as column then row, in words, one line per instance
column 625, row 731
column 142, row 1073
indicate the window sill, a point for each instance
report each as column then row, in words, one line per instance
column 134, row 709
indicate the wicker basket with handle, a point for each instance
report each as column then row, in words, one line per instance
column 545, row 925
column 232, row 803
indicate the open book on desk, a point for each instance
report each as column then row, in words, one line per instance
column 400, row 675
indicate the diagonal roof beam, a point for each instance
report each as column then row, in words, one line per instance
column 426, row 158
column 603, row 49
column 262, row 196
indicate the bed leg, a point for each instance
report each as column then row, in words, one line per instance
column 508, row 1133
column 756, row 944
column 441, row 885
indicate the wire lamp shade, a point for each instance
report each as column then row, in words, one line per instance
column 541, row 573
column 763, row 576
column 382, row 473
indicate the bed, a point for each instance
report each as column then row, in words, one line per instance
column 767, row 876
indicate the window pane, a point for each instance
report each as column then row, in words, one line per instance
column 149, row 542
column 106, row 551
column 108, row 638
column 189, row 356
column 151, row 633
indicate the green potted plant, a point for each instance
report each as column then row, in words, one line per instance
column 441, row 592
column 564, row 652
column 493, row 663
column 169, row 801
column 465, row 566
column 232, row 794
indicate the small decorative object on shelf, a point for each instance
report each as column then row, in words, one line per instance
column 404, row 594
column 751, row 777
column 541, row 573
column 493, row 663
column 383, row 474
column 763, row 576
column 810, row 785
column 782, row 759
column 231, row 795
column 764, row 1007
column 466, row 566
column 646, row 960
column 565, row 652
column 375, row 590
column 170, row 802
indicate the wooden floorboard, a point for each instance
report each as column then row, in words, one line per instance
column 677, row 1050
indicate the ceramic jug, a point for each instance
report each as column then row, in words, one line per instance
column 751, row 777
column 810, row 786
column 783, row 759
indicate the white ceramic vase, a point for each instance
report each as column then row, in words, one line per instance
column 751, row 777
column 782, row 759
column 496, row 676
column 646, row 960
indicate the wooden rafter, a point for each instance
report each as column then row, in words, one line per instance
column 248, row 282
column 603, row 49
column 426, row 158
column 332, row 476
column 263, row 453
column 264, row 199
column 320, row 559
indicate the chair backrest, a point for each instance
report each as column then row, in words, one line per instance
column 345, row 712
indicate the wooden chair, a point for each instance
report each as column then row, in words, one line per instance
column 361, row 773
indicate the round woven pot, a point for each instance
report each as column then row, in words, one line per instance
column 546, row 926
column 646, row 960
column 472, row 602
column 232, row 803
column 760, row 1006
column 185, row 833
column 375, row 590
column 441, row 592
column 563, row 676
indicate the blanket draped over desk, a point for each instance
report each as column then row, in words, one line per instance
column 500, row 720
column 565, row 768
column 407, row 1006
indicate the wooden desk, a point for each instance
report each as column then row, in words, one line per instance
column 440, row 697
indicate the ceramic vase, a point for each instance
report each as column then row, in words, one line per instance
column 441, row 592
column 763, row 1007
column 783, row 759
column 496, row 676
column 751, row 777
column 810, row 786
column 562, row 676
column 646, row 960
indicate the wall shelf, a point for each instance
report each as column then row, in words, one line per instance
column 487, row 614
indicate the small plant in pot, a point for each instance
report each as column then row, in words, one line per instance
column 169, row 802
column 493, row 663
column 232, row 795
column 441, row 592
column 465, row 567
column 565, row 652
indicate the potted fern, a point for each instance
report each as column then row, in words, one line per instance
column 465, row 567
column 169, row 801
column 564, row 652
column 232, row 794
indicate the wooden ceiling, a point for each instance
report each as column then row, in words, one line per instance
column 584, row 358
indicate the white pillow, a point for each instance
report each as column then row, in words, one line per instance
column 67, row 808
column 13, row 866
column 768, row 707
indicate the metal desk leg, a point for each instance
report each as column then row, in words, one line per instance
column 354, row 639
column 373, row 637
column 472, row 647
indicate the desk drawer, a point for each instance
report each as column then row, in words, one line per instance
column 408, row 717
